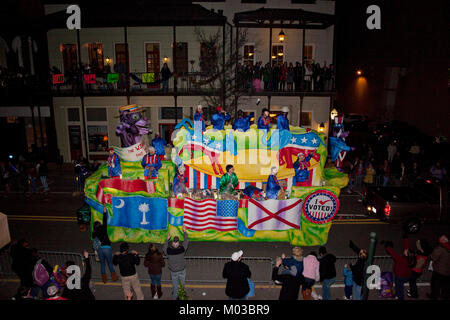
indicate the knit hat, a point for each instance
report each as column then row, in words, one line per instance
column 236, row 255
column 285, row 109
column 219, row 108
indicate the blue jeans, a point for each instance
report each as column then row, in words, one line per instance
column 356, row 291
column 176, row 278
column 44, row 183
column 348, row 291
column 165, row 85
column 326, row 288
column 105, row 256
column 35, row 290
column 156, row 279
column 399, row 287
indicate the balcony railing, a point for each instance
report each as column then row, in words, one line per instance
column 140, row 83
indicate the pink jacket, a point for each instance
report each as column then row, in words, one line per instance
column 311, row 267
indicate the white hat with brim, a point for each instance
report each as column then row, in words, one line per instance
column 236, row 255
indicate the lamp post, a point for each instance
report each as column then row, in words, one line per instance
column 281, row 36
column 333, row 114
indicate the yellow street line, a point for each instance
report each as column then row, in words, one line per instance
column 25, row 216
column 198, row 286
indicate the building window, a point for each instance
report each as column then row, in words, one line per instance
column 208, row 57
column 306, row 119
column 309, row 53
column 96, row 114
column 96, row 57
column 121, row 58
column 168, row 113
column 182, row 66
column 73, row 115
column 70, row 57
column 98, row 138
column 277, row 53
column 152, row 61
column 249, row 54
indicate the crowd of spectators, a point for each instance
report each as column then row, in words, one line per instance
column 285, row 77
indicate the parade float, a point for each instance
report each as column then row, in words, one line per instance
column 136, row 185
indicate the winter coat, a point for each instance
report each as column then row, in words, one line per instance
column 236, row 274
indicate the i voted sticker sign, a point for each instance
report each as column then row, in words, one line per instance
column 320, row 206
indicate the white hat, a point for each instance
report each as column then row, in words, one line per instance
column 285, row 109
column 236, row 255
column 52, row 290
column 300, row 153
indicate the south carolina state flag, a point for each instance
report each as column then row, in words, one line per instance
column 274, row 214
column 138, row 212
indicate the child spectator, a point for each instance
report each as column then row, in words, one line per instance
column 348, row 281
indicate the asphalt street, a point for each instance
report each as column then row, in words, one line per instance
column 49, row 224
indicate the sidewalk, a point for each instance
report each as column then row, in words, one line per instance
column 199, row 291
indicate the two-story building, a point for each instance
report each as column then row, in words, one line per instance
column 126, row 46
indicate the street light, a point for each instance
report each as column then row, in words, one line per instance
column 281, row 36
column 321, row 127
column 359, row 72
column 333, row 114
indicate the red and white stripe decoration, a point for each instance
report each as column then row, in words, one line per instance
column 202, row 215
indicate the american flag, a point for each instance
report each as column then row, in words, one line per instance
column 210, row 214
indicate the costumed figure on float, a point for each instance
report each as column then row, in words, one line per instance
column 151, row 164
column 114, row 169
column 338, row 147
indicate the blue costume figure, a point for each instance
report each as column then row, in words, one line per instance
column 199, row 116
column 219, row 118
column 179, row 182
column 282, row 120
column 242, row 123
column 264, row 120
column 114, row 169
column 159, row 144
column 301, row 166
column 336, row 146
column 151, row 164
column 253, row 192
column 273, row 186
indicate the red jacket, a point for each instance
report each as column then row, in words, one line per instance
column 421, row 260
column 401, row 264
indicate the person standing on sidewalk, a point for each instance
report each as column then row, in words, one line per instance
column 420, row 259
column 127, row 262
column 154, row 262
column 311, row 272
column 85, row 292
column 358, row 270
column 102, row 245
column 175, row 257
column 401, row 269
column 348, row 281
column 290, row 283
column 42, row 171
column 440, row 279
column 237, row 273
column 327, row 272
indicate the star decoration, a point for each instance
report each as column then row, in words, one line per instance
column 293, row 140
column 314, row 141
column 304, row 140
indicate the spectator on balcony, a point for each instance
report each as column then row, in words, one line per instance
column 165, row 76
column 264, row 120
column 298, row 76
column 290, row 77
column 275, row 76
column 219, row 118
column 309, row 84
column 283, row 76
column 266, row 76
column 316, row 73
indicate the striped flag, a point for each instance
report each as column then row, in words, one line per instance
column 210, row 214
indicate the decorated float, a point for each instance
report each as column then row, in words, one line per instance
column 137, row 185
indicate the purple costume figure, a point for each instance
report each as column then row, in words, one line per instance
column 133, row 125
